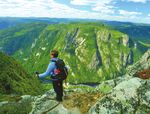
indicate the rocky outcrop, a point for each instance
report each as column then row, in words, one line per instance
column 126, row 94
column 96, row 61
column 77, row 100
column 104, row 36
column 125, row 40
column 70, row 39
column 130, row 58
column 126, row 59
column 142, row 64
column 129, row 96
column 46, row 104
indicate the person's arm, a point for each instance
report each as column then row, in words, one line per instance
column 50, row 68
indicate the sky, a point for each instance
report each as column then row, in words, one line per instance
column 118, row 10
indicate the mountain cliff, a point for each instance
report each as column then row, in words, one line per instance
column 93, row 51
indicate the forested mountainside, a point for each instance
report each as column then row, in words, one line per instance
column 138, row 32
column 15, row 80
column 8, row 22
column 93, row 51
column 20, row 37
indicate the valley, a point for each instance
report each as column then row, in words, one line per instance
column 106, row 62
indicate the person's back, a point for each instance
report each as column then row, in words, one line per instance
column 57, row 84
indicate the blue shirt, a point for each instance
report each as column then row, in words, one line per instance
column 50, row 69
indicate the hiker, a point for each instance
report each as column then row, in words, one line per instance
column 53, row 72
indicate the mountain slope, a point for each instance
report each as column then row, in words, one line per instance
column 14, row 79
column 135, row 30
column 20, row 37
column 93, row 51
column 8, row 22
column 138, row 32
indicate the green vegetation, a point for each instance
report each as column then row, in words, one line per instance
column 20, row 38
column 93, row 51
column 105, row 88
column 135, row 30
column 16, row 108
column 15, row 80
column 79, row 44
column 144, row 44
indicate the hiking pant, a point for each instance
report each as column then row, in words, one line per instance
column 58, row 88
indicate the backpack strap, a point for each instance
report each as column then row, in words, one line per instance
column 54, row 60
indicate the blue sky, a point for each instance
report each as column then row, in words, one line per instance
column 119, row 10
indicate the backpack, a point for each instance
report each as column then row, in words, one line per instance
column 61, row 72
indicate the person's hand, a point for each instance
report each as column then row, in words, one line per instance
column 37, row 74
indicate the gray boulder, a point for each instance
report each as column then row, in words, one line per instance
column 127, row 97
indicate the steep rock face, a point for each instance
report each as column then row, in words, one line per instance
column 70, row 40
column 91, row 50
column 125, row 40
column 126, row 59
column 130, row 58
column 142, row 64
column 104, row 35
column 96, row 61
column 111, row 50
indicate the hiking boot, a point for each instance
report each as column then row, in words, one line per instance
column 59, row 99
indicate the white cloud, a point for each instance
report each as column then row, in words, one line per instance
column 22, row 8
column 32, row 8
column 103, row 6
column 82, row 2
column 148, row 15
column 136, row 1
column 103, row 9
column 129, row 14
column 48, row 8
